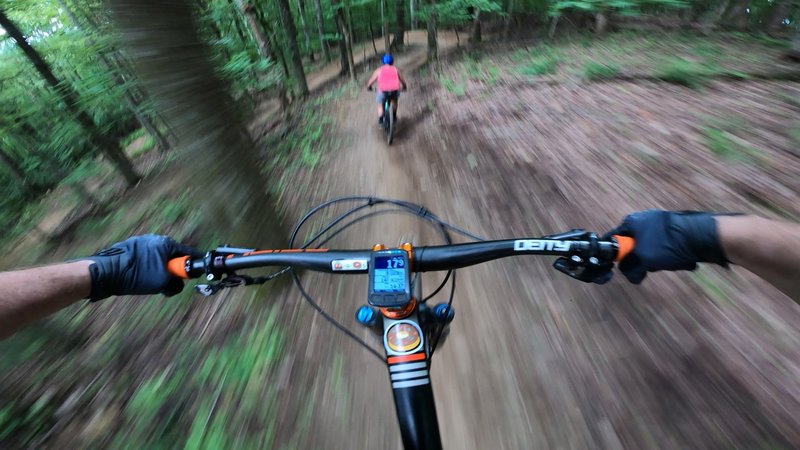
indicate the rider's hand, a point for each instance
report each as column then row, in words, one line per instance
column 669, row 240
column 136, row 266
column 369, row 88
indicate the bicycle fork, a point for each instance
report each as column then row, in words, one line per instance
column 405, row 340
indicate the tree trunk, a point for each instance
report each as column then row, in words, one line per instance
column 212, row 24
column 372, row 38
column 218, row 159
column 475, row 36
column 776, row 16
column 263, row 46
column 133, row 103
column 600, row 23
column 711, row 17
column 348, row 12
column 272, row 42
column 70, row 98
column 296, row 62
column 237, row 25
column 346, row 44
column 794, row 52
column 301, row 8
column 385, row 27
column 508, row 19
column 15, row 170
column 321, row 29
column 433, row 50
column 400, row 24
column 412, row 6
column 736, row 15
column 553, row 24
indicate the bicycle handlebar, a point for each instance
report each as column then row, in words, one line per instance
column 423, row 259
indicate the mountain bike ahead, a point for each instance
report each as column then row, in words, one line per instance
column 411, row 329
column 388, row 120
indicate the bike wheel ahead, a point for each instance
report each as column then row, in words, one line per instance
column 388, row 116
column 388, row 125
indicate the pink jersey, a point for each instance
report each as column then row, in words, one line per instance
column 388, row 79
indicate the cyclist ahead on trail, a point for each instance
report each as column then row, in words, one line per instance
column 389, row 82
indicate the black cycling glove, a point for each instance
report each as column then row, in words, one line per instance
column 136, row 266
column 669, row 240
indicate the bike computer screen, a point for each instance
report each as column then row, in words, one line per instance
column 389, row 280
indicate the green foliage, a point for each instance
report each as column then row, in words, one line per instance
column 147, row 143
column 794, row 134
column 451, row 13
column 595, row 71
column 250, row 73
column 783, row 44
column 539, row 66
column 477, row 70
column 306, row 143
column 683, row 72
column 8, row 422
column 721, row 140
column 452, row 87
column 623, row 7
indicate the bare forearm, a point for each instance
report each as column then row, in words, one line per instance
column 372, row 79
column 32, row 294
column 768, row 248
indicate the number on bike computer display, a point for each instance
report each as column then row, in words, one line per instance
column 390, row 274
column 389, row 280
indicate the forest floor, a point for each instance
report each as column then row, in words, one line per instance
column 503, row 143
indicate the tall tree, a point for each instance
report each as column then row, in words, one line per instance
column 212, row 140
column 508, row 19
column 70, row 98
column 433, row 50
column 17, row 173
column 777, row 14
column 385, row 27
column 272, row 41
column 296, row 62
column 264, row 49
column 475, row 36
column 301, row 12
column 400, row 23
column 736, row 15
column 346, row 41
column 323, row 43
column 133, row 103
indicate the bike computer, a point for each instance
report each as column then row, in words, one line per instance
column 389, row 279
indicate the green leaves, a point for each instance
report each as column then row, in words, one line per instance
column 457, row 12
column 623, row 7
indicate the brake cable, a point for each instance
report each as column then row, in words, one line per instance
column 395, row 207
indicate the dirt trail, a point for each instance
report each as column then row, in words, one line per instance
column 535, row 360
column 345, row 400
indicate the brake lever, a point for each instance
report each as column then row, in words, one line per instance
column 589, row 271
column 207, row 290
column 586, row 268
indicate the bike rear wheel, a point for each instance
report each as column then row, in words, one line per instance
column 389, row 126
